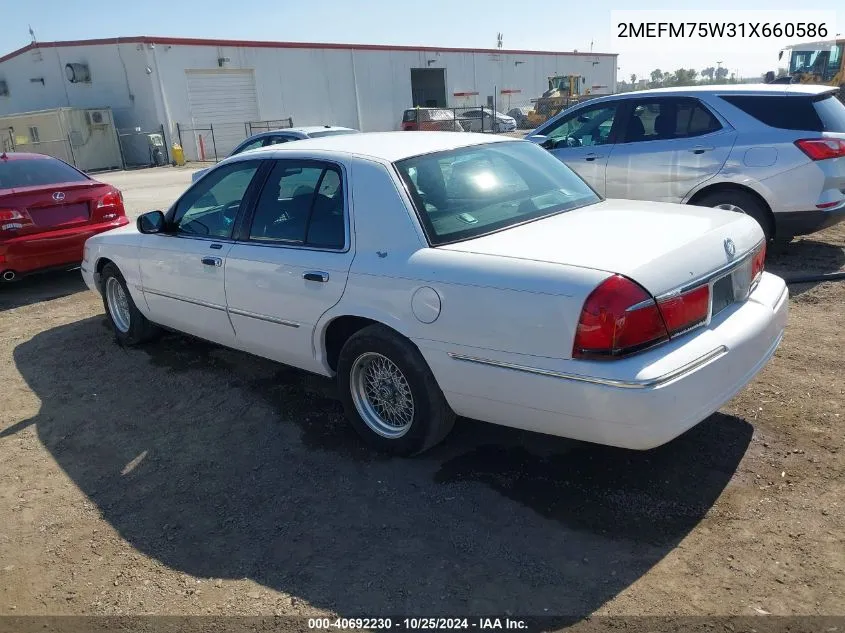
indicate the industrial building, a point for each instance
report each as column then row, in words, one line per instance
column 186, row 87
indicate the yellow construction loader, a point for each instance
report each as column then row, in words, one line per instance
column 564, row 90
column 814, row 63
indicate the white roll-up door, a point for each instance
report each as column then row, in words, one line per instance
column 226, row 100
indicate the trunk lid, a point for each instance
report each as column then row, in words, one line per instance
column 59, row 205
column 660, row 246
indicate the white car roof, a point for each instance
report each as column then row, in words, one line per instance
column 799, row 89
column 315, row 128
column 386, row 146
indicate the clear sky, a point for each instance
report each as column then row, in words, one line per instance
column 556, row 25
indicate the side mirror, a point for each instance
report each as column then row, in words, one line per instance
column 770, row 76
column 151, row 222
column 539, row 139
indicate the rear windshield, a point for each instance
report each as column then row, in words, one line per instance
column 331, row 133
column 464, row 193
column 410, row 115
column 34, row 172
column 812, row 114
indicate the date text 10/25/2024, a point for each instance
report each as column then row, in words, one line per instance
column 418, row 624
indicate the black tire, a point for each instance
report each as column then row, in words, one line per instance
column 432, row 418
column 140, row 329
column 743, row 200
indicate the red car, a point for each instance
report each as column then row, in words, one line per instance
column 47, row 211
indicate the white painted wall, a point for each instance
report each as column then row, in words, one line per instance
column 318, row 86
column 365, row 89
column 110, row 86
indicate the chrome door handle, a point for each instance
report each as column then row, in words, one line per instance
column 212, row 261
column 700, row 149
column 316, row 275
column 592, row 157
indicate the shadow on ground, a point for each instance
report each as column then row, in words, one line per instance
column 222, row 465
column 42, row 287
column 803, row 257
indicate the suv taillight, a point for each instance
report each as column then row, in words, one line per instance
column 620, row 317
column 14, row 220
column 822, row 148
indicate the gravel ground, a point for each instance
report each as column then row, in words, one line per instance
column 182, row 478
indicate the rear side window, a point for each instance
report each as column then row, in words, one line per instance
column 301, row 204
column 825, row 114
column 36, row 172
column 669, row 118
column 831, row 111
column 410, row 115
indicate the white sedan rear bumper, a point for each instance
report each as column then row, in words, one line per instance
column 639, row 402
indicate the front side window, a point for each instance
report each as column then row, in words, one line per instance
column 209, row 208
column 664, row 119
column 464, row 193
column 301, row 204
column 586, row 127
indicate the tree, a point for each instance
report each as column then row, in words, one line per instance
column 721, row 74
column 708, row 73
column 656, row 78
column 634, row 79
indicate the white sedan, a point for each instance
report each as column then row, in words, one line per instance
column 439, row 275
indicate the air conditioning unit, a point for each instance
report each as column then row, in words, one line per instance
column 96, row 118
column 4, row 88
column 78, row 73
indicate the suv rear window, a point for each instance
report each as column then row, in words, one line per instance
column 35, row 172
column 813, row 114
column 410, row 115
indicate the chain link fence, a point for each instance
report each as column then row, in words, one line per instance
column 212, row 142
column 143, row 148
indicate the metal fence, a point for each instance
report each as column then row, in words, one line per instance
column 254, row 127
column 143, row 148
column 212, row 142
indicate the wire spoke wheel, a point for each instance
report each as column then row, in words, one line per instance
column 381, row 395
column 118, row 304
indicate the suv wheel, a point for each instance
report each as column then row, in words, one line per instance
column 739, row 202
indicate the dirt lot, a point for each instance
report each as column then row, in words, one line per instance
column 186, row 479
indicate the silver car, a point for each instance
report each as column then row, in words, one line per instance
column 774, row 152
column 482, row 120
column 274, row 137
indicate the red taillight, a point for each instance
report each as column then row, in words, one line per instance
column 13, row 219
column 684, row 311
column 758, row 262
column 822, row 148
column 113, row 201
column 619, row 317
